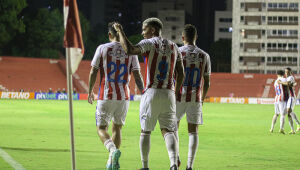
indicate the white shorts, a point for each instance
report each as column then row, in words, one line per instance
column 280, row 108
column 193, row 112
column 107, row 110
column 291, row 103
column 158, row 104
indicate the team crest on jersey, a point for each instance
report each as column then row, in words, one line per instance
column 165, row 49
column 119, row 53
column 194, row 57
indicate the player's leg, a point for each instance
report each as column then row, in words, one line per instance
column 171, row 144
column 145, row 148
column 116, row 134
column 180, row 111
column 291, row 107
column 148, row 121
column 291, row 123
column 282, row 109
column 193, row 144
column 273, row 122
column 102, row 121
column 294, row 116
column 119, row 115
column 290, row 118
column 277, row 112
column 168, row 125
column 194, row 118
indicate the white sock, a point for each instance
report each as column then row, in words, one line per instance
column 111, row 147
column 274, row 121
column 291, row 123
column 144, row 148
column 177, row 138
column 282, row 117
column 193, row 146
column 294, row 116
column 171, row 144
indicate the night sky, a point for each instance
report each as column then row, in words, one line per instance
column 202, row 18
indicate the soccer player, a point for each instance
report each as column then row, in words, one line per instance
column 115, row 69
column 281, row 99
column 158, row 102
column 197, row 80
column 290, row 82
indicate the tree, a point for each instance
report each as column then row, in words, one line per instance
column 10, row 21
column 44, row 34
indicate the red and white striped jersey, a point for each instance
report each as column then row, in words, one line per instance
column 160, row 56
column 281, row 91
column 115, row 70
column 196, row 64
column 291, row 89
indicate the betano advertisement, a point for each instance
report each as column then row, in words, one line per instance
column 16, row 95
column 64, row 96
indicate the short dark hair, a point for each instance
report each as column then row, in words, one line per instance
column 189, row 32
column 280, row 72
column 111, row 28
column 288, row 68
column 155, row 23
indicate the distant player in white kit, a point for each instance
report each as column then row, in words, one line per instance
column 158, row 102
column 113, row 97
column 290, row 82
column 197, row 68
column 280, row 103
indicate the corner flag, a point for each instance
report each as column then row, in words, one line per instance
column 74, row 53
column 73, row 35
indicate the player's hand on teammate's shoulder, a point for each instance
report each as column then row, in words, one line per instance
column 91, row 97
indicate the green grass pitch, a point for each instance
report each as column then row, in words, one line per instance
column 234, row 136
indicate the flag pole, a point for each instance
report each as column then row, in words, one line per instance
column 70, row 98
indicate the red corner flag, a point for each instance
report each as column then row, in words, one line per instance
column 73, row 37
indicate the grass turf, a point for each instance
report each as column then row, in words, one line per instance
column 234, row 136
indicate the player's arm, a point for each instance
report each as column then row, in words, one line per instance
column 179, row 76
column 126, row 44
column 287, row 83
column 206, row 86
column 92, row 80
column 138, row 80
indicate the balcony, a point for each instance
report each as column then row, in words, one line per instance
column 253, row 7
column 253, row 20
column 283, row 50
column 252, row 47
column 252, row 34
column 281, row 37
column 252, row 61
column 282, row 23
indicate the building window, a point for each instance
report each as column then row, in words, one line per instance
column 242, row 5
column 270, row 5
column 242, row 18
column 172, row 18
column 223, row 29
column 241, row 59
column 174, row 28
column 173, row 37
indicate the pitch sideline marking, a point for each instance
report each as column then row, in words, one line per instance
column 10, row 160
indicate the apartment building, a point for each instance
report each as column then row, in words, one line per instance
column 265, row 36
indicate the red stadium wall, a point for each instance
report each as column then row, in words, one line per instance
column 32, row 74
